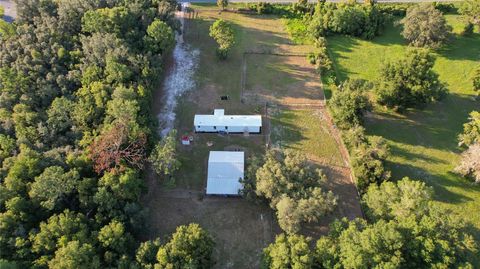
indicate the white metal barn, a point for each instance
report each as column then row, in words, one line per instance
column 225, row 168
column 219, row 122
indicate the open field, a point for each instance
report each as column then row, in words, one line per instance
column 285, row 80
column 423, row 143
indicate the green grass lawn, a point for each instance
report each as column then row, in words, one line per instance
column 304, row 130
column 423, row 143
column 214, row 78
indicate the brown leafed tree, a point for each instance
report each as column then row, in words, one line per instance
column 113, row 149
column 470, row 164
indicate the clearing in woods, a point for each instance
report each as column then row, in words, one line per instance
column 295, row 118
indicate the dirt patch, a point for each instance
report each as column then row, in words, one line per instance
column 283, row 80
column 240, row 229
column 234, row 148
column 206, row 98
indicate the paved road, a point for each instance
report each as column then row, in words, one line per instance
column 10, row 10
column 314, row 1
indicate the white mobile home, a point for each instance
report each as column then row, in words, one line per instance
column 219, row 122
column 225, row 168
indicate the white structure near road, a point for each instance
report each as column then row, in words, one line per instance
column 225, row 168
column 219, row 122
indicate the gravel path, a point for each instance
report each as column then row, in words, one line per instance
column 179, row 79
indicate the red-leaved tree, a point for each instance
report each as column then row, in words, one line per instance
column 111, row 150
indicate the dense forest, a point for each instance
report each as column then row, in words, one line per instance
column 76, row 78
column 76, row 85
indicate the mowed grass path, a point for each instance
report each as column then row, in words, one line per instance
column 423, row 143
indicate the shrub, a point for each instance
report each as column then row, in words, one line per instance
column 409, row 82
column 163, row 157
column 223, row 34
column 425, row 26
column 397, row 200
column 365, row 21
column 470, row 163
column 471, row 130
column 288, row 251
column 349, row 103
column 397, row 9
column 471, row 9
column 368, row 162
column 222, row 4
column 445, row 7
column 468, row 29
column 264, row 8
column 189, row 247
column 476, row 81
column 297, row 30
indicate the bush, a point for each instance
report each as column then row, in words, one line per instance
column 349, row 103
column 471, row 130
column 476, row 81
column 409, row 82
column 468, row 29
column 397, row 200
column 264, row 8
column 365, row 21
column 163, row 157
column 425, row 26
column 445, row 7
column 367, row 157
column 398, row 10
column 471, row 9
column 297, row 30
column 222, row 4
column 223, row 34
column 274, row 9
column 469, row 166
column 189, row 247
column 288, row 251
column 368, row 162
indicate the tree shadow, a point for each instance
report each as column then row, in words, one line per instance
column 284, row 133
column 427, row 138
column 440, row 183
column 436, row 126
column 409, row 155
column 391, row 34
column 462, row 48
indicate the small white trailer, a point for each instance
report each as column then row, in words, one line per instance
column 221, row 123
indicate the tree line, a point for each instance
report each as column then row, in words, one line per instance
column 403, row 229
column 76, row 81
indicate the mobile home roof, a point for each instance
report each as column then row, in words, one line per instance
column 228, row 120
column 225, row 168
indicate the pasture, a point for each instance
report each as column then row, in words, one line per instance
column 423, row 142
